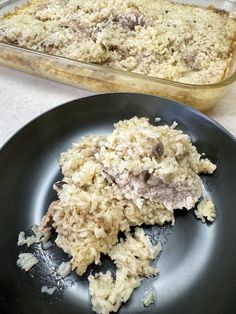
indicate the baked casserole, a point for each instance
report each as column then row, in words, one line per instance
column 158, row 38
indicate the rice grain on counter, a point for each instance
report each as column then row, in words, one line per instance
column 47, row 245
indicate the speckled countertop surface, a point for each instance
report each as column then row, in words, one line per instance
column 24, row 97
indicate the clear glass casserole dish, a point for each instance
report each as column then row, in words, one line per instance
column 105, row 79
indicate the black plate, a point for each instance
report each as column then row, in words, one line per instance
column 198, row 263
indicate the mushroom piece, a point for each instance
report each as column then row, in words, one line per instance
column 158, row 150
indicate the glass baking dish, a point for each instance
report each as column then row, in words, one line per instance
column 105, row 79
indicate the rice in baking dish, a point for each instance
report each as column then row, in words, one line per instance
column 162, row 39
column 138, row 174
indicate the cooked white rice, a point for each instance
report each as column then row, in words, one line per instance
column 174, row 125
column 206, row 211
column 132, row 258
column 26, row 261
column 47, row 245
column 149, row 298
column 48, row 290
column 138, row 174
column 37, row 237
column 64, row 269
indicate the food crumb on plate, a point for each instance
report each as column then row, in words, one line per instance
column 132, row 258
column 64, row 269
column 149, row 298
column 174, row 125
column 37, row 237
column 48, row 290
column 157, row 119
column 205, row 210
column 26, row 261
column 47, row 245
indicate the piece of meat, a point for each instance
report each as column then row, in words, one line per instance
column 132, row 18
column 47, row 220
column 173, row 195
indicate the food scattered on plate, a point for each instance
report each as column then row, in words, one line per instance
column 132, row 258
column 139, row 174
column 37, row 237
column 149, row 298
column 48, row 290
column 206, row 210
column 26, row 261
column 64, row 269
column 183, row 43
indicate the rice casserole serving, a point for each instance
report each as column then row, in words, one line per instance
column 138, row 174
column 157, row 38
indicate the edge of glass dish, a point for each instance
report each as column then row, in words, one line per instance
column 96, row 67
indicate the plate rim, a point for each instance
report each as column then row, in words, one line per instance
column 174, row 102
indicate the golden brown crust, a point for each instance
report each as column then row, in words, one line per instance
column 218, row 11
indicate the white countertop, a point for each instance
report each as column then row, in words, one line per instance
column 24, row 97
